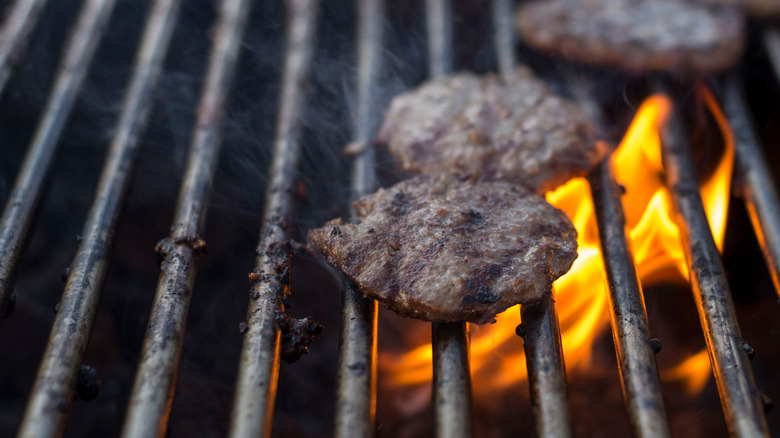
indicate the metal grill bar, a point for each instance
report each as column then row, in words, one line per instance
column 155, row 379
column 24, row 198
column 772, row 45
column 546, row 377
column 630, row 328
column 451, row 377
column 505, row 36
column 628, row 316
column 755, row 182
column 89, row 267
column 439, row 20
column 356, row 378
column 53, row 390
column 539, row 328
column 739, row 397
column 259, row 367
column 451, row 380
column 16, row 30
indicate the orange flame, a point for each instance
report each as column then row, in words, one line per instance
column 497, row 359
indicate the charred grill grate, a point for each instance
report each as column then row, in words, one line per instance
column 253, row 405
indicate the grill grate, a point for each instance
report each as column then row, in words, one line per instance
column 253, row 405
column 739, row 396
column 451, row 379
column 15, row 33
column 756, row 186
column 17, row 216
column 539, row 328
column 356, row 378
column 56, row 379
column 259, row 366
column 156, row 376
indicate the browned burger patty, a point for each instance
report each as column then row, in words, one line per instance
column 512, row 129
column 637, row 35
column 443, row 249
column 756, row 8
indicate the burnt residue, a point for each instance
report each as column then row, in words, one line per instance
column 521, row 330
column 297, row 334
column 483, row 295
column 655, row 345
column 163, row 248
column 88, row 383
column 749, row 350
column 399, row 204
column 277, row 248
column 475, row 217
column 65, row 274
column 254, row 277
column 767, row 402
column 193, row 241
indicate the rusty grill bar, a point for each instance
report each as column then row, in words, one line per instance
column 634, row 347
column 253, row 406
column 539, row 328
column 356, row 375
column 23, row 201
column 546, row 372
column 16, row 30
column 89, row 267
column 504, row 36
column 156, row 376
column 53, row 391
column 741, row 400
column 628, row 317
column 452, row 408
column 259, row 367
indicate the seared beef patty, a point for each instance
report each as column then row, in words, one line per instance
column 637, row 35
column 512, row 129
column 756, row 8
column 442, row 248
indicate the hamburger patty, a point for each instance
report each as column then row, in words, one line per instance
column 637, row 35
column 443, row 249
column 513, row 129
column 756, row 8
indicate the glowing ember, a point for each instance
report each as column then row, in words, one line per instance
column 497, row 358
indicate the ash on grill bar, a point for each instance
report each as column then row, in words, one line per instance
column 243, row 109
